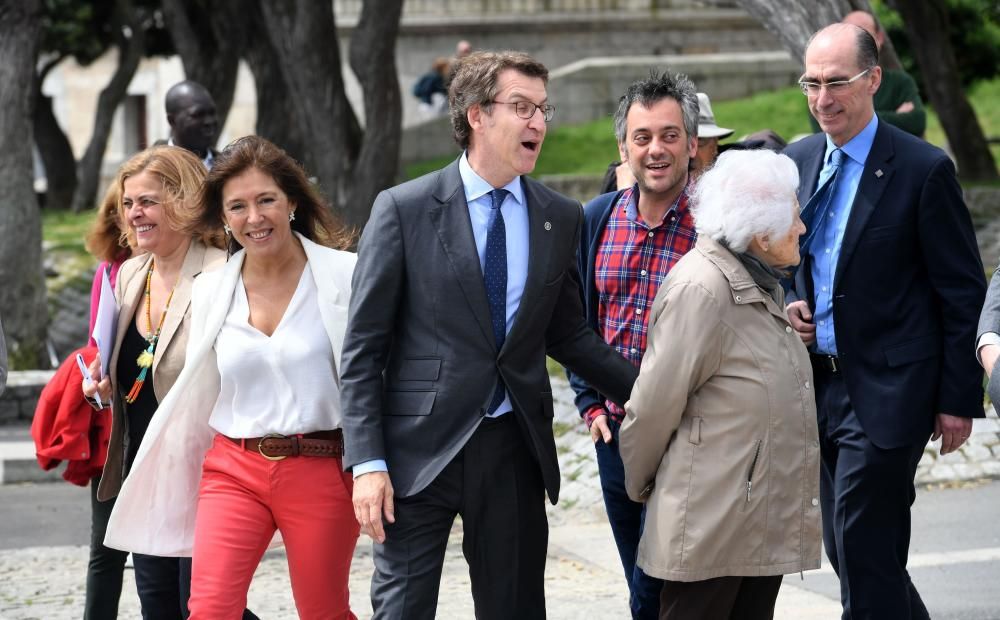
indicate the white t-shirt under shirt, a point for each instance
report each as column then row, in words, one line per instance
column 282, row 384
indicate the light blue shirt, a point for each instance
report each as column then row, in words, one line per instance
column 515, row 217
column 825, row 246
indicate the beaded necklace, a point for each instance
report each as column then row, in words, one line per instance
column 145, row 359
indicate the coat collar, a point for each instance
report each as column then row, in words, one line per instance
column 744, row 288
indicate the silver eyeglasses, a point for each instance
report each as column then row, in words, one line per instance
column 526, row 109
column 811, row 89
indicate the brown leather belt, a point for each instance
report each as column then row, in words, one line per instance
column 277, row 447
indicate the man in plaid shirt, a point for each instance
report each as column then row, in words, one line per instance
column 630, row 241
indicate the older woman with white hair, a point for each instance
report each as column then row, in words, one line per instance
column 720, row 434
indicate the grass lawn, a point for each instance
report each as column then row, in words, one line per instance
column 589, row 147
column 63, row 234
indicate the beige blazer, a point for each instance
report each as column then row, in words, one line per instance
column 720, row 434
column 155, row 510
column 168, row 359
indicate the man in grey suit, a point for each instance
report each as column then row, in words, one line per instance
column 988, row 338
column 466, row 278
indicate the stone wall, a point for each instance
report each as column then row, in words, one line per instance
column 589, row 89
column 17, row 403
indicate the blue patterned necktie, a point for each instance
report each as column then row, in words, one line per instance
column 819, row 203
column 495, row 278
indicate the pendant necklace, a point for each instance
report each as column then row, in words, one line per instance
column 145, row 359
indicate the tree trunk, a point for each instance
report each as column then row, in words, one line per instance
column 207, row 39
column 304, row 35
column 129, row 35
column 794, row 22
column 926, row 24
column 373, row 60
column 53, row 148
column 277, row 120
column 22, row 294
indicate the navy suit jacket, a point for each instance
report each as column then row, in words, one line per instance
column 908, row 287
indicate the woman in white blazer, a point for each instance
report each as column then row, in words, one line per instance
column 251, row 431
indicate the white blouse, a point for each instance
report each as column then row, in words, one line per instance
column 282, row 384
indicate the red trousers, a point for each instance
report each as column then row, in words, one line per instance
column 243, row 499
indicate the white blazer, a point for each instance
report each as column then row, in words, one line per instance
column 155, row 510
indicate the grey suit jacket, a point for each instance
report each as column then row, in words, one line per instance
column 420, row 364
column 989, row 321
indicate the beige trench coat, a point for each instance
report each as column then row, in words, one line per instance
column 720, row 434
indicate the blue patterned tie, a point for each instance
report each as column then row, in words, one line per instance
column 819, row 203
column 495, row 278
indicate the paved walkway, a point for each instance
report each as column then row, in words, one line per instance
column 583, row 579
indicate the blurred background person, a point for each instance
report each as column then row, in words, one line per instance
column 720, row 435
column 193, row 120
column 432, row 88
column 709, row 135
column 159, row 189
column 255, row 415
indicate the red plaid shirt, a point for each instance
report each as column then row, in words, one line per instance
column 631, row 262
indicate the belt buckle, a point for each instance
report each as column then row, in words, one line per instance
column 260, row 447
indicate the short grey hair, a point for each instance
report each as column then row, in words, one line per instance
column 746, row 193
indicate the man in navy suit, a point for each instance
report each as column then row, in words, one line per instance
column 886, row 299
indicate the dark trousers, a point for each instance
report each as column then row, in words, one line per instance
column 722, row 598
column 866, row 493
column 627, row 519
column 495, row 484
column 164, row 586
column 106, row 565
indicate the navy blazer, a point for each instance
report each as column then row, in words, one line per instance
column 595, row 216
column 907, row 290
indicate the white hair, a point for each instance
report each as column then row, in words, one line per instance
column 746, row 193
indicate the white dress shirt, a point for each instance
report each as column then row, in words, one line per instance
column 283, row 383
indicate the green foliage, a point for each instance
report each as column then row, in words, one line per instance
column 76, row 28
column 974, row 32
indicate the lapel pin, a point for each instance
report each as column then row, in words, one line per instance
column 548, row 225
column 878, row 173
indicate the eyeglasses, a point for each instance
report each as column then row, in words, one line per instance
column 811, row 89
column 526, row 109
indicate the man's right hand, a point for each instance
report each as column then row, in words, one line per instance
column 599, row 429
column 373, row 497
column 800, row 317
